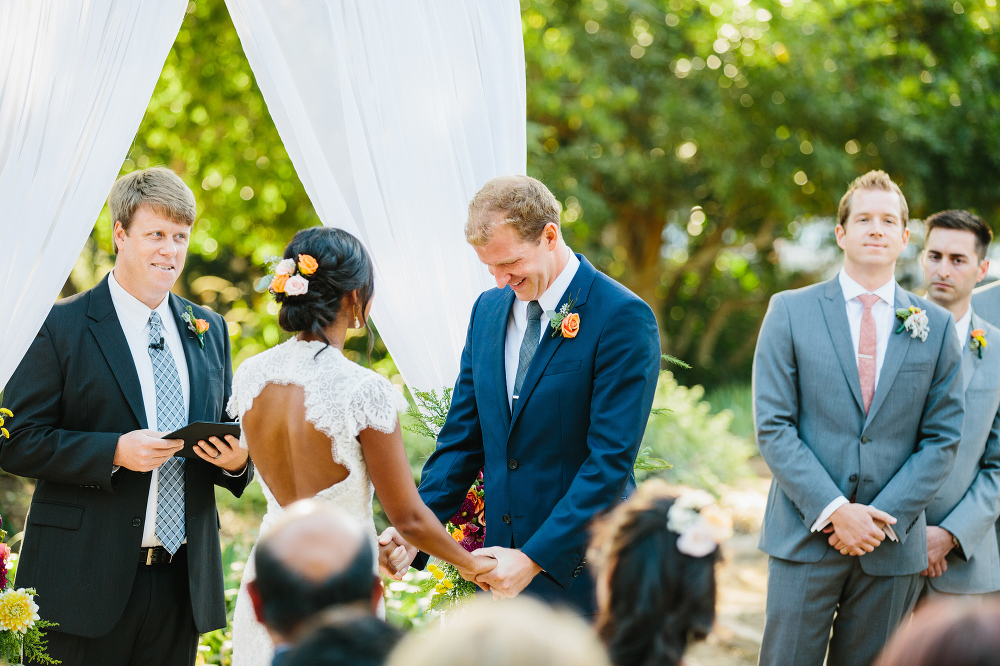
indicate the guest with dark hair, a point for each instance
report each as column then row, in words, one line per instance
column 655, row 559
column 363, row 641
column 947, row 632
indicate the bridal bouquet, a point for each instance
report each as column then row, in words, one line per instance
column 21, row 635
column 468, row 528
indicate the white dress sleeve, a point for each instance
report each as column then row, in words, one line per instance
column 375, row 403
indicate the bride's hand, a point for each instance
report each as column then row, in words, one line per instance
column 394, row 554
column 483, row 564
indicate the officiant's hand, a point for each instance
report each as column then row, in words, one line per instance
column 394, row 554
column 225, row 454
column 144, row 450
column 856, row 528
column 513, row 572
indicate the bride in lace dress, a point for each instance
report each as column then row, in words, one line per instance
column 318, row 425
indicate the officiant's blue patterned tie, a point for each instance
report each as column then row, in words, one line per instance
column 528, row 346
column 169, row 417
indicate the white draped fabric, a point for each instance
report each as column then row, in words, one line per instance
column 75, row 80
column 394, row 115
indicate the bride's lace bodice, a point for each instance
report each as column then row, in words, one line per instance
column 341, row 399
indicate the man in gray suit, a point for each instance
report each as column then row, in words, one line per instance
column 858, row 415
column 962, row 552
column 986, row 301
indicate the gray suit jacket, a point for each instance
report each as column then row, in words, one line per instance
column 986, row 303
column 815, row 437
column 968, row 503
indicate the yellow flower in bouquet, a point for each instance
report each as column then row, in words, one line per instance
column 18, row 611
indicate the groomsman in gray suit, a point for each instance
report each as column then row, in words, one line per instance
column 858, row 415
column 986, row 301
column 962, row 552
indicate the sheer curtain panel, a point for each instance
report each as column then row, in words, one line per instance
column 75, row 79
column 395, row 114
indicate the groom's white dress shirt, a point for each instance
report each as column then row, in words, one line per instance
column 134, row 317
column 884, row 313
column 962, row 328
column 517, row 321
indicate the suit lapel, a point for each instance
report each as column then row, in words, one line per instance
column 970, row 357
column 579, row 289
column 496, row 335
column 107, row 330
column 194, row 355
column 894, row 355
column 835, row 313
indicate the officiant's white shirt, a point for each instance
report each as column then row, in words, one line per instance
column 517, row 320
column 134, row 317
column 884, row 313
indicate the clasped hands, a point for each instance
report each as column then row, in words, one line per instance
column 857, row 529
column 503, row 571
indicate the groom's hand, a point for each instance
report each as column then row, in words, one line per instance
column 857, row 528
column 394, row 554
column 513, row 572
column 144, row 450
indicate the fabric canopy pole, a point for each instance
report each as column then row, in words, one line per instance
column 75, row 80
column 394, row 115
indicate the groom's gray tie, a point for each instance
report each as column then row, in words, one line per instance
column 169, row 417
column 528, row 346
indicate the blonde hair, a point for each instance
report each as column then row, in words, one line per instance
column 528, row 206
column 873, row 180
column 518, row 632
column 157, row 187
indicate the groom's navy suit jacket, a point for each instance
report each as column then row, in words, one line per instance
column 74, row 393
column 566, row 452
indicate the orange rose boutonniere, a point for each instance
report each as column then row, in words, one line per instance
column 565, row 322
column 978, row 341
column 197, row 326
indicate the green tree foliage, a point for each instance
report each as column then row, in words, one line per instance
column 685, row 136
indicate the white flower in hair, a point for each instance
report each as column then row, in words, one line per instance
column 296, row 286
column 697, row 540
column 680, row 517
column 285, row 267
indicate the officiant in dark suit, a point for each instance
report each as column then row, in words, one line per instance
column 121, row 540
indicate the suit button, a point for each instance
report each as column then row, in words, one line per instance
column 854, row 477
column 864, row 440
column 511, row 464
column 505, row 518
column 137, row 522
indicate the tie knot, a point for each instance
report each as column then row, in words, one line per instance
column 534, row 311
column 154, row 320
column 868, row 300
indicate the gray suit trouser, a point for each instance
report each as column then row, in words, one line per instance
column 806, row 599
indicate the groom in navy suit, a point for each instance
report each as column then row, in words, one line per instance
column 555, row 388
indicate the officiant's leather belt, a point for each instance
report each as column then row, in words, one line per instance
column 157, row 555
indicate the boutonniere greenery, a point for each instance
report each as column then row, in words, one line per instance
column 565, row 322
column 197, row 326
column 977, row 341
column 914, row 320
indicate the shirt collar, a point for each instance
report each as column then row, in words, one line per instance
column 852, row 289
column 963, row 327
column 550, row 299
column 130, row 309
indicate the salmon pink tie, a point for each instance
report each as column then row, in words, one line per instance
column 867, row 350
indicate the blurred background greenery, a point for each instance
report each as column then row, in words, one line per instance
column 699, row 149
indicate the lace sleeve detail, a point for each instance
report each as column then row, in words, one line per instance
column 376, row 403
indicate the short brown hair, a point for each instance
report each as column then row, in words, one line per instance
column 157, row 187
column 528, row 206
column 873, row 180
column 962, row 220
column 946, row 632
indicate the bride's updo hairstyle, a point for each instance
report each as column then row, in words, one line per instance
column 343, row 265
